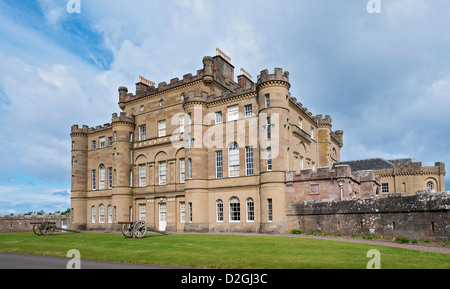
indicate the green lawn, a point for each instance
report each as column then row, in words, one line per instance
column 220, row 251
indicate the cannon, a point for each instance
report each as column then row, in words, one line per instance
column 136, row 229
column 47, row 228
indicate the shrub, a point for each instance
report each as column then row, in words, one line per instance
column 296, row 232
column 402, row 240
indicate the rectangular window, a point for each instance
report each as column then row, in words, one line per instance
column 182, row 212
column 269, row 158
column 267, row 100
column 385, row 188
column 182, row 171
column 249, row 160
column 142, row 175
column 110, row 141
column 219, row 117
column 300, row 163
column 182, row 123
column 142, row 132
column 162, row 173
column 190, row 212
column 102, row 142
column 131, row 178
column 233, row 113
column 233, row 160
column 312, row 133
column 269, row 128
column 190, row 168
column 110, row 178
column 93, row 180
column 248, row 110
column 142, row 212
column 300, row 123
column 269, row 207
column 110, row 215
column 94, row 145
column 131, row 137
column 219, row 165
column 161, row 128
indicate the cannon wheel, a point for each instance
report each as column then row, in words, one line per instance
column 37, row 229
column 127, row 230
column 140, row 229
column 50, row 228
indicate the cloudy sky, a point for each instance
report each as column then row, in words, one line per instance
column 383, row 77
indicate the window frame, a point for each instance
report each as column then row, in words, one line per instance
column 219, row 164
column 219, row 211
column 233, row 160
column 162, row 173
column 249, row 170
column 162, row 128
column 142, row 175
column 234, row 210
column 233, row 112
column 250, row 209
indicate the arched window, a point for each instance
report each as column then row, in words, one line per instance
column 101, row 214
column 219, row 211
column 430, row 186
column 235, row 210
column 93, row 214
column 250, row 210
column 101, row 181
column 233, row 160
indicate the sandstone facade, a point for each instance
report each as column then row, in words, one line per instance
column 201, row 153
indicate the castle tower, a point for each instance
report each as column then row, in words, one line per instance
column 79, row 177
column 273, row 97
column 196, row 155
column 122, row 192
column 323, row 140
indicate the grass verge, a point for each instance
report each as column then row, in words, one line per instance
column 221, row 251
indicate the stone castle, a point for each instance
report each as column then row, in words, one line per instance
column 208, row 153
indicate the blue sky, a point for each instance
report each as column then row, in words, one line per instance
column 384, row 78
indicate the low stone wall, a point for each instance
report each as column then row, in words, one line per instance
column 424, row 216
column 21, row 223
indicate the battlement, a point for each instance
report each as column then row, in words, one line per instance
column 100, row 128
column 277, row 75
column 80, row 131
column 323, row 120
column 302, row 108
column 122, row 118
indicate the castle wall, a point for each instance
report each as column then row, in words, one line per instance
column 424, row 216
column 21, row 222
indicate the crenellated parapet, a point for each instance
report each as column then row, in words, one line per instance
column 323, row 121
column 77, row 131
column 122, row 119
column 277, row 78
column 99, row 128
